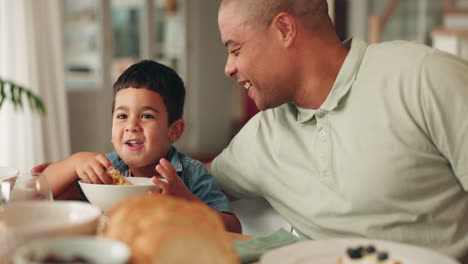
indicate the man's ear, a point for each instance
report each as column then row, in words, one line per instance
column 285, row 25
column 176, row 130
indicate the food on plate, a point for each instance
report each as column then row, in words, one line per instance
column 366, row 255
column 118, row 178
column 166, row 229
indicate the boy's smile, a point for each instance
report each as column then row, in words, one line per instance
column 140, row 131
column 134, row 144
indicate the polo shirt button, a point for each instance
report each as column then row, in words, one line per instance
column 320, row 113
column 322, row 132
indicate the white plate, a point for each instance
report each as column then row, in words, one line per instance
column 96, row 250
column 27, row 220
column 328, row 252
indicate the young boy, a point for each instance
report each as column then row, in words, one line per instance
column 147, row 119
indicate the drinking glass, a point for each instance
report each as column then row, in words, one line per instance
column 8, row 174
column 8, row 177
column 27, row 186
column 31, row 186
column 5, row 190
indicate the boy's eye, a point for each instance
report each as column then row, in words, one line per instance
column 121, row 116
column 146, row 116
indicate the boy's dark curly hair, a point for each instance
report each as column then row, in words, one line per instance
column 156, row 77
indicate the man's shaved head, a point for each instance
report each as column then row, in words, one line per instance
column 310, row 13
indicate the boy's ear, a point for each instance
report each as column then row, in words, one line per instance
column 176, row 130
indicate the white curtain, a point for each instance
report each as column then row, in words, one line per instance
column 31, row 55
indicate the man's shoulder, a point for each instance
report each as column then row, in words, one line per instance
column 402, row 45
column 409, row 51
column 398, row 49
column 410, row 57
column 404, row 59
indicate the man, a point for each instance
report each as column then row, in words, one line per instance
column 353, row 140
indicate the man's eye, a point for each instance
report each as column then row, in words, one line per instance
column 235, row 51
column 121, row 116
column 146, row 116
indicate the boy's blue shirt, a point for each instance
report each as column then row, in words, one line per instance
column 193, row 173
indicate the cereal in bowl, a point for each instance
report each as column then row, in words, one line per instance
column 118, row 178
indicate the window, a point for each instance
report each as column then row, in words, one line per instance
column 141, row 29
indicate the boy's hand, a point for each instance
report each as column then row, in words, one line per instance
column 91, row 167
column 174, row 185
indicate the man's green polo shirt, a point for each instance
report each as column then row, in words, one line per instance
column 384, row 157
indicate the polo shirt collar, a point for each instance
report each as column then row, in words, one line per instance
column 303, row 114
column 343, row 82
column 174, row 159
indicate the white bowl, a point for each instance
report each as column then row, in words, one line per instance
column 105, row 196
column 93, row 249
column 21, row 222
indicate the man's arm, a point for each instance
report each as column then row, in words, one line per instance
column 231, row 222
column 208, row 167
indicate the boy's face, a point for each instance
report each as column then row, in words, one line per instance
column 140, row 131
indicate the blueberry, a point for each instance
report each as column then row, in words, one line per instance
column 370, row 249
column 355, row 253
column 382, row 256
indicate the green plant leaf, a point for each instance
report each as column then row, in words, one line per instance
column 13, row 94
column 2, row 93
column 19, row 96
column 16, row 95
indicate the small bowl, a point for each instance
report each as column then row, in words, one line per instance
column 21, row 222
column 105, row 196
column 92, row 249
column 50, row 218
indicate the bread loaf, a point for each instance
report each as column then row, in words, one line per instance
column 165, row 229
column 180, row 244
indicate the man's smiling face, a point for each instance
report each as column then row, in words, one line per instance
column 253, row 56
